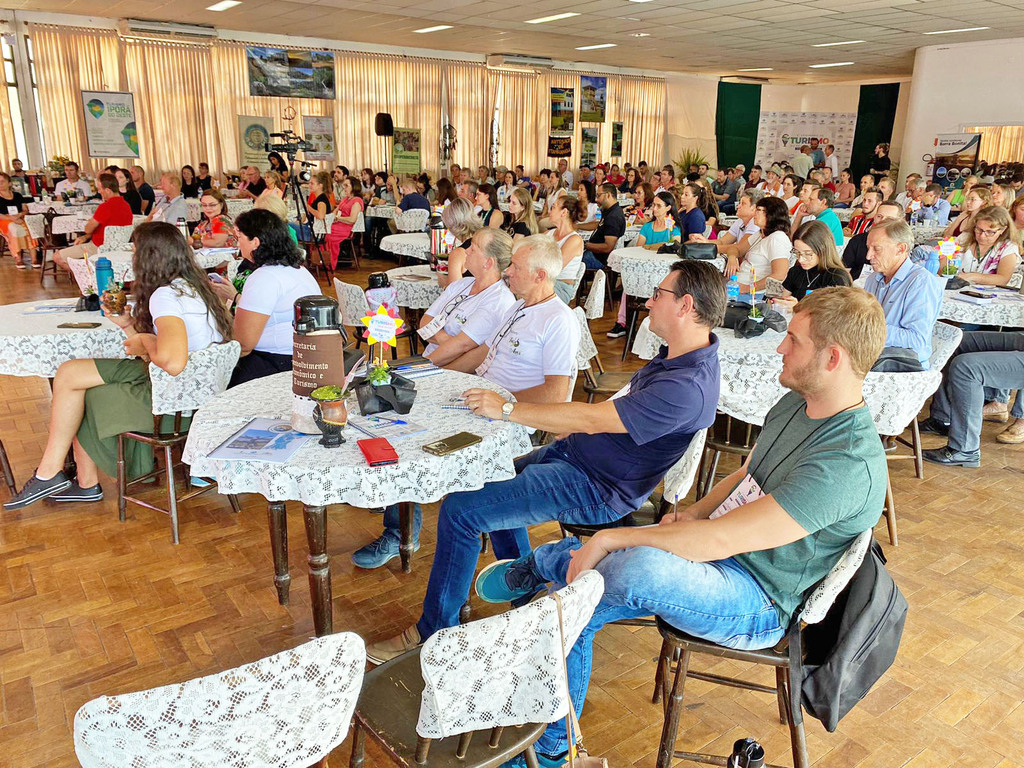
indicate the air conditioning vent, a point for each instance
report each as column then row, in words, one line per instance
column 518, row 61
column 164, row 29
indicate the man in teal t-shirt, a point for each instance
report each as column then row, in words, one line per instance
column 820, row 204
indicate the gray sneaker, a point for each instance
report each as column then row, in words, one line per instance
column 77, row 493
column 378, row 552
column 36, row 489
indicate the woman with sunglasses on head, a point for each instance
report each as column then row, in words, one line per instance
column 817, row 264
column 769, row 251
column 565, row 214
column 176, row 313
column 462, row 222
column 215, row 230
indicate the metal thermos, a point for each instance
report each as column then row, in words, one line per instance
column 746, row 753
column 316, row 356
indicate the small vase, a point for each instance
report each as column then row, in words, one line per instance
column 330, row 417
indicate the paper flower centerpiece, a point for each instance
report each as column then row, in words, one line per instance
column 382, row 327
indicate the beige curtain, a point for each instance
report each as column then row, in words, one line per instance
column 1000, row 143
column 469, row 111
column 640, row 106
column 69, row 60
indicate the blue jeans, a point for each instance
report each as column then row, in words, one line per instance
column 392, row 527
column 546, row 487
column 591, row 261
column 718, row 601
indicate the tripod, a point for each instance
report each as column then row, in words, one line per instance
column 307, row 238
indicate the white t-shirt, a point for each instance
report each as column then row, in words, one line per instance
column 531, row 343
column 180, row 300
column 762, row 252
column 272, row 290
column 477, row 316
column 739, row 229
column 71, row 187
column 567, row 178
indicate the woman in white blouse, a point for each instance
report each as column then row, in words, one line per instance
column 586, row 192
column 508, row 186
column 991, row 248
column 769, row 251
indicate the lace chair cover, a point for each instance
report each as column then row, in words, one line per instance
column 83, row 274
column 413, row 220
column 36, row 225
column 945, row 339
column 506, row 669
column 1017, row 278
column 895, row 399
column 116, row 239
column 195, row 212
column 351, row 302
column 233, row 265
column 322, row 226
column 587, row 350
column 821, row 599
column 285, row 711
column 680, row 476
column 205, row 376
column 138, row 218
column 595, row 299
column 237, row 206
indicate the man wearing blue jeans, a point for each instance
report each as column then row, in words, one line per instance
column 611, row 457
column 734, row 567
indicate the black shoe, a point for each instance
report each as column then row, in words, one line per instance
column 79, row 494
column 949, row 457
column 617, row 332
column 932, row 426
column 36, row 489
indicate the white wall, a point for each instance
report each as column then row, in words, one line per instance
column 961, row 85
column 690, row 115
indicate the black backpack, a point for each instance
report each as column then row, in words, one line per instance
column 852, row 647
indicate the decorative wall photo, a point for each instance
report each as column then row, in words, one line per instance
column 292, row 74
column 593, row 97
column 563, row 107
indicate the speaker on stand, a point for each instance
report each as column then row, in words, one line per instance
column 384, row 127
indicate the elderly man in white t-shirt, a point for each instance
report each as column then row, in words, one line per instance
column 531, row 351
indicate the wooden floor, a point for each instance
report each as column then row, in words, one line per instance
column 91, row 606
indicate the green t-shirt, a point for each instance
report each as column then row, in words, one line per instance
column 830, row 476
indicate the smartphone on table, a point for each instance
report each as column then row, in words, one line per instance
column 451, row 444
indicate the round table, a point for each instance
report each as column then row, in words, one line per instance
column 415, row 245
column 121, row 262
column 415, row 293
column 385, row 211
column 318, row 476
column 643, row 270
column 31, row 344
column 63, row 209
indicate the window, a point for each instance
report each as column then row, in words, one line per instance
column 35, row 95
column 11, row 84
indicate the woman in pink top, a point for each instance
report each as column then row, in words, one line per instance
column 346, row 215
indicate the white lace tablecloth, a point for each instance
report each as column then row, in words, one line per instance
column 643, row 270
column 321, row 476
column 415, row 294
column 75, row 209
column 121, row 262
column 72, row 223
column 415, row 245
column 926, row 233
column 33, row 345
column 238, row 206
column 381, row 211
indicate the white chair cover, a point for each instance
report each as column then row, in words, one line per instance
column 323, row 226
column 680, row 476
column 286, row 711
column 945, row 339
column 506, row 669
column 821, row 599
column 195, row 212
column 83, row 274
column 413, row 220
column 595, row 298
column 116, row 238
column 895, row 399
column 237, row 206
column 587, row 350
column 206, row 375
column 351, row 302
column 36, row 225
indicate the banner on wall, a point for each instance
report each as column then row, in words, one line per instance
column 253, row 136
column 559, row 146
column 781, row 134
column 954, row 158
column 563, row 106
column 405, row 157
column 319, row 131
column 110, row 124
column 593, row 97
column 290, row 73
column 616, row 139
column 589, row 138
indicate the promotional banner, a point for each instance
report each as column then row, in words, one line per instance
column 253, row 135
column 781, row 134
column 955, row 156
column 593, row 96
column 110, row 124
column 563, row 105
column 290, row 73
column 616, row 139
column 319, row 131
column 589, row 138
column 405, row 157
column 559, row 146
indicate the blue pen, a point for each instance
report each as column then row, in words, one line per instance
column 388, row 421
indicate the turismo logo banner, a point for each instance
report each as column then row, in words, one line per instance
column 781, row 134
column 110, row 124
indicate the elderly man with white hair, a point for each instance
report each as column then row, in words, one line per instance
column 173, row 206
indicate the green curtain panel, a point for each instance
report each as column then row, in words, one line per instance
column 876, row 112
column 736, row 120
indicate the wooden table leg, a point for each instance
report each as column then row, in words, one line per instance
column 405, row 520
column 319, row 568
column 279, row 546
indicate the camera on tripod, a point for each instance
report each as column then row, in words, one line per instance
column 290, row 144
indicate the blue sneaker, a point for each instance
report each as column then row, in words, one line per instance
column 507, row 581
column 519, row 761
column 378, row 552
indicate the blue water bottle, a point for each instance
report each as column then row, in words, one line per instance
column 104, row 276
column 932, row 265
column 732, row 289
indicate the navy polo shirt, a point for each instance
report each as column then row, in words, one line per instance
column 668, row 402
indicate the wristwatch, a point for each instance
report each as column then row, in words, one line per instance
column 506, row 411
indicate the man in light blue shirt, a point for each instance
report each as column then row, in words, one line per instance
column 817, row 155
column 934, row 207
column 820, row 204
column 910, row 295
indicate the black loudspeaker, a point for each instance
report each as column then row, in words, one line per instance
column 384, row 125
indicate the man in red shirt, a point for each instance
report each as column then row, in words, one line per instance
column 869, row 207
column 113, row 211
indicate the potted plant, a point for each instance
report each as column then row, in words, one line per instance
column 379, row 374
column 756, row 314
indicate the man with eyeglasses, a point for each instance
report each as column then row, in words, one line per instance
column 609, row 459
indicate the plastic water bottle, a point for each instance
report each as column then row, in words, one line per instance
column 932, row 265
column 104, row 276
column 732, row 289
column 597, row 216
column 913, row 218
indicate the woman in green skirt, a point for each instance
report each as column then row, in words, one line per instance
column 176, row 312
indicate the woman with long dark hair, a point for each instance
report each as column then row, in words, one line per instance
column 817, row 263
column 128, row 191
column 189, row 183
column 490, row 213
column 445, row 192
column 176, row 313
column 769, row 251
column 277, row 163
column 632, row 181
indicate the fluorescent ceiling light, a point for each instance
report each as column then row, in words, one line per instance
column 951, row 31
column 641, row 34
column 556, row 17
column 829, row 45
column 639, row 1
column 595, row 47
column 438, row 28
column 833, row 64
column 755, row 69
column 223, row 5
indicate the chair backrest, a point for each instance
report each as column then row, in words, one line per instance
column 506, row 669
column 1017, row 278
column 195, row 212
column 895, row 399
column 116, row 238
column 237, row 206
column 351, row 302
column 206, row 375
column 587, row 349
column 595, row 299
column 284, row 711
column 36, row 225
column 413, row 220
column 945, row 339
column 822, row 596
column 680, row 476
column 83, row 275
column 322, row 226
column 577, row 278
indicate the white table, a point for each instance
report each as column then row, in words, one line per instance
column 319, row 476
column 33, row 345
column 381, row 211
column 643, row 270
column 62, row 209
column 416, row 293
column 121, row 263
column 415, row 245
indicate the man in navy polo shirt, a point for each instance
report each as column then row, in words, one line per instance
column 611, row 456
